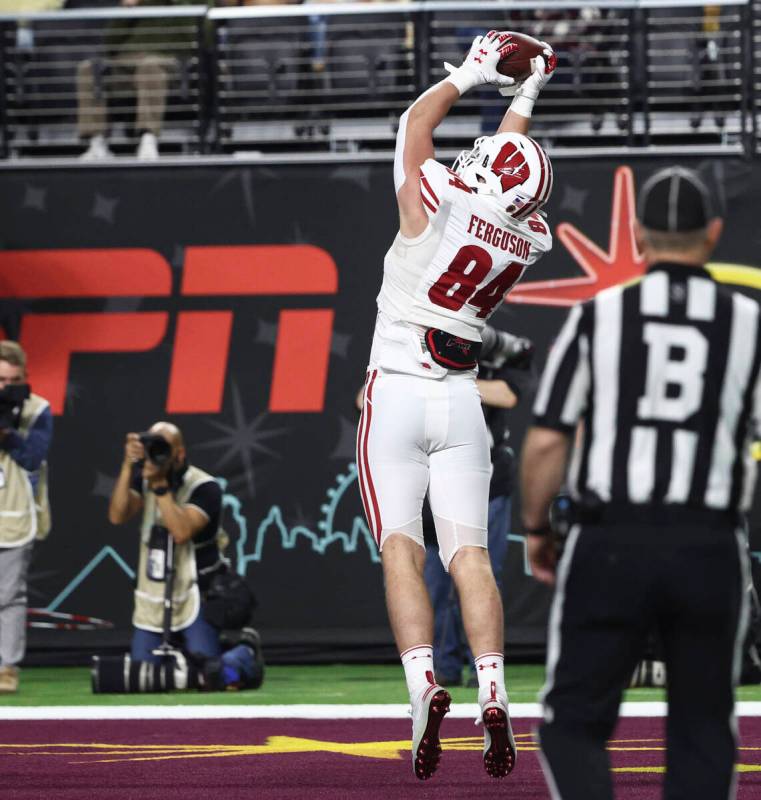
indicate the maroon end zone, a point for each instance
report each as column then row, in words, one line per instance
column 277, row 759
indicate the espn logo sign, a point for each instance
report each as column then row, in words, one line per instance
column 201, row 338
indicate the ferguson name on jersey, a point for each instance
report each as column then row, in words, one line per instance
column 484, row 229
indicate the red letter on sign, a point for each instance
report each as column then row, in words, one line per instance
column 259, row 269
column 199, row 364
column 302, row 354
column 302, row 351
column 84, row 273
column 51, row 339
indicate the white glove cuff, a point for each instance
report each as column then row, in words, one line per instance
column 523, row 104
column 463, row 79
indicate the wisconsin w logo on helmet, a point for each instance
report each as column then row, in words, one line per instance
column 511, row 166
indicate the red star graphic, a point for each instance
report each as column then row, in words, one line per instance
column 622, row 263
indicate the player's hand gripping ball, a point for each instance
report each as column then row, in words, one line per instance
column 519, row 61
column 480, row 64
column 530, row 63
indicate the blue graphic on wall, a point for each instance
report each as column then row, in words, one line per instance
column 250, row 543
column 106, row 552
column 289, row 537
column 272, row 525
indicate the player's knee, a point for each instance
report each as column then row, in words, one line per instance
column 471, row 560
column 457, row 538
column 402, row 544
column 402, row 555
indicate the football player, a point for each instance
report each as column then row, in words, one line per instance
column 466, row 235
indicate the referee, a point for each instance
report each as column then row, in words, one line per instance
column 659, row 381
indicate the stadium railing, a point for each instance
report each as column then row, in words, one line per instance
column 634, row 74
column 41, row 61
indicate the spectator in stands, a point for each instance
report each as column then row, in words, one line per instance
column 143, row 54
column 24, row 31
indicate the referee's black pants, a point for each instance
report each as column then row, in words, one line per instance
column 617, row 583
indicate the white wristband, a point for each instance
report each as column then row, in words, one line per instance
column 522, row 105
column 462, row 79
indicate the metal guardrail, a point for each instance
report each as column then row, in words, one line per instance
column 336, row 77
column 65, row 76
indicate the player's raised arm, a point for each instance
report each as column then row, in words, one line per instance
column 414, row 141
column 517, row 119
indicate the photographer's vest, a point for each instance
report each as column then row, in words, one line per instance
column 24, row 512
column 186, row 597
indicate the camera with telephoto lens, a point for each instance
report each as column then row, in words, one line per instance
column 157, row 449
column 12, row 398
column 241, row 666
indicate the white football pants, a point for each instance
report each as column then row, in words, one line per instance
column 421, row 434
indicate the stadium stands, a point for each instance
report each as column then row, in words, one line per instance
column 335, row 77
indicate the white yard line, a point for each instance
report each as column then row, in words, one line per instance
column 390, row 711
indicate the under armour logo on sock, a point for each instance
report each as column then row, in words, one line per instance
column 493, row 665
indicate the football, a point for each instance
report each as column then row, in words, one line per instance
column 518, row 64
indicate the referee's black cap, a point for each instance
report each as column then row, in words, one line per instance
column 676, row 200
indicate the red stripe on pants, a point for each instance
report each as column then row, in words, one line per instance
column 360, row 466
column 368, row 409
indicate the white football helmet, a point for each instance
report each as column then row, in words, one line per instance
column 510, row 167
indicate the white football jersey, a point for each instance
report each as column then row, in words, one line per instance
column 455, row 274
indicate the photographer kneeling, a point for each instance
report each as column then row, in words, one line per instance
column 180, row 501
column 185, row 592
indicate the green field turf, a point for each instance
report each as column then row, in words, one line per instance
column 339, row 683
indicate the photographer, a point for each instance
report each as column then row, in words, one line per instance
column 26, row 429
column 181, row 502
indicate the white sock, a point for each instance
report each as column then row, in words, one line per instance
column 418, row 668
column 490, row 669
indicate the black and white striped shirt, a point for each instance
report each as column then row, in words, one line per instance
column 664, row 375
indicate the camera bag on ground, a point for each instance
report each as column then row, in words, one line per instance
column 228, row 601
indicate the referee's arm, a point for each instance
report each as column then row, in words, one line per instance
column 560, row 402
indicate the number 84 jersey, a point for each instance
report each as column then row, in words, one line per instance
column 455, row 274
